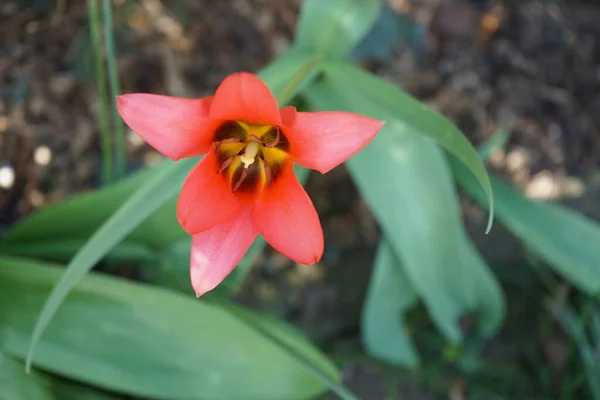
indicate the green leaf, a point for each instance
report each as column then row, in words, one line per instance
column 63, row 250
column 284, row 337
column 153, row 343
column 389, row 296
column 332, row 28
column 415, row 115
column 566, row 240
column 16, row 384
column 72, row 220
column 161, row 228
column 403, row 177
column 290, row 74
column 153, row 193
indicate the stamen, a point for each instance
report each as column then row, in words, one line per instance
column 225, row 141
column 255, row 138
column 242, row 178
column 268, row 172
column 226, row 164
column 251, row 151
column 275, row 142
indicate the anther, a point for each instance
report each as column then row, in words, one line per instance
column 255, row 138
column 242, row 178
column 275, row 142
column 268, row 172
column 226, row 164
column 225, row 141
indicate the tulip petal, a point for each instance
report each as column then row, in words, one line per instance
column 244, row 97
column 217, row 251
column 206, row 198
column 176, row 127
column 285, row 216
column 323, row 140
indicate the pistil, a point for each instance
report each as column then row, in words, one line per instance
column 250, row 154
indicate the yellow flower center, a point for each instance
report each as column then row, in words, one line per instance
column 250, row 156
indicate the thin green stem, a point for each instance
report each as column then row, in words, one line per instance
column 115, row 90
column 95, row 35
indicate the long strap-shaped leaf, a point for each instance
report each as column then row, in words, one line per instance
column 149, row 197
column 420, row 118
column 403, row 177
column 64, row 249
column 389, row 297
column 141, row 340
column 565, row 239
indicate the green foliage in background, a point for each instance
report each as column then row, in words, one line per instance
column 421, row 224
column 566, row 240
column 150, row 342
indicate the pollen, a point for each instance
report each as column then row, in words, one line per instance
column 250, row 154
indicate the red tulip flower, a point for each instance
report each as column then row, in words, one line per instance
column 245, row 184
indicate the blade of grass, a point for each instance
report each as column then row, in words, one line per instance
column 115, row 90
column 498, row 141
column 94, row 21
column 575, row 327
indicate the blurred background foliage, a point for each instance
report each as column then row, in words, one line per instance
column 412, row 299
